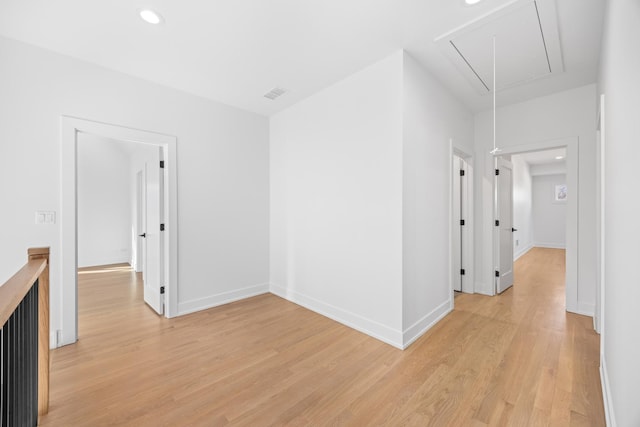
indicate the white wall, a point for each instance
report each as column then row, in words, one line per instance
column 565, row 114
column 432, row 118
column 336, row 201
column 549, row 216
column 522, row 207
column 360, row 199
column 620, row 68
column 223, row 170
column 104, row 202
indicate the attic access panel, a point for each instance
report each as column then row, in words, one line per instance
column 527, row 45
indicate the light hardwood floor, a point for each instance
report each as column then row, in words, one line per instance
column 517, row 359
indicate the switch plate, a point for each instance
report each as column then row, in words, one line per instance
column 45, row 217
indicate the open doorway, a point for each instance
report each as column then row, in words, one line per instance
column 535, row 196
column 121, row 213
column 74, row 133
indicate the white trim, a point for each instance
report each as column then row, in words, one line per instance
column 582, row 308
column 419, row 328
column 609, row 414
column 367, row 326
column 550, row 245
column 522, row 251
column 198, row 304
column 600, row 283
column 70, row 127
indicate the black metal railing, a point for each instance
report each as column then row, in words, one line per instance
column 24, row 343
column 19, row 364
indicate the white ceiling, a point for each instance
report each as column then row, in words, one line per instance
column 234, row 51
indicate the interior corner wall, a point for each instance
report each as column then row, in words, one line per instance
column 336, row 201
column 620, row 352
column 571, row 113
column 222, row 170
column 522, row 207
column 432, row 119
column 104, row 202
column 549, row 216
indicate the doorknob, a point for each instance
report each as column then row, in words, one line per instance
column 513, row 229
column 143, row 235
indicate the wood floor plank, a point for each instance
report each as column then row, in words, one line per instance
column 510, row 360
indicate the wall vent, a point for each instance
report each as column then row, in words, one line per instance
column 275, row 93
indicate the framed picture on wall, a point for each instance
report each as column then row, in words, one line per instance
column 560, row 193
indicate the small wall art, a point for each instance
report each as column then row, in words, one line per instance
column 560, row 193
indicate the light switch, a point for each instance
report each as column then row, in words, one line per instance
column 45, row 217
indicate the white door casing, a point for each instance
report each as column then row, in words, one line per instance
column 504, row 224
column 67, row 278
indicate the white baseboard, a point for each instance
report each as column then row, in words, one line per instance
column 583, row 308
column 419, row 328
column 606, row 394
column 550, row 245
column 107, row 262
column 194, row 305
column 61, row 338
column 522, row 251
column 367, row 326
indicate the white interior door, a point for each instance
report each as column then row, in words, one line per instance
column 153, row 294
column 456, row 246
column 504, row 225
column 139, row 218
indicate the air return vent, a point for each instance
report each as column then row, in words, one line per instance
column 527, row 45
column 274, row 93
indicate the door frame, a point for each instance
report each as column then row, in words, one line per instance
column 598, row 315
column 71, row 127
column 571, row 279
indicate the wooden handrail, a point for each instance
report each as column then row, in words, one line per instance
column 12, row 292
column 14, row 289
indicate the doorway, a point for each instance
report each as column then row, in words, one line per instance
column 120, row 209
column 72, row 129
column 504, row 243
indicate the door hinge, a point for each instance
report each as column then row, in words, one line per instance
column 462, row 271
column 497, row 171
column 161, row 290
column 161, row 227
column 461, row 172
column 497, row 273
column 161, row 164
column 497, row 223
column 462, row 222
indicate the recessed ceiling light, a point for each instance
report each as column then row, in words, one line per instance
column 470, row 2
column 150, row 16
column 559, row 157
